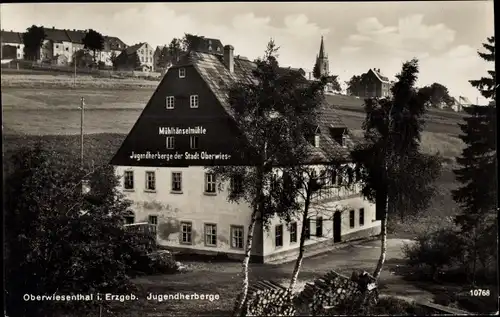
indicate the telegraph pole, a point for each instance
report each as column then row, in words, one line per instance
column 74, row 63
column 82, row 109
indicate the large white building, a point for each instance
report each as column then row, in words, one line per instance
column 189, row 114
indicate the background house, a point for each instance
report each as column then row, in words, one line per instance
column 61, row 45
column 371, row 84
column 127, row 58
column 13, row 43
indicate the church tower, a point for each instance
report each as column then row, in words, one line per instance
column 322, row 60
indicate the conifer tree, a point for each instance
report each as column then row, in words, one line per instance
column 478, row 167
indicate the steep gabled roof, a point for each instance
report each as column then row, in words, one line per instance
column 11, row 37
column 132, row 49
column 76, row 36
column 114, row 43
column 56, row 35
column 206, row 45
column 380, row 76
column 218, row 78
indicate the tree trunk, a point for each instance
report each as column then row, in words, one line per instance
column 241, row 299
column 298, row 263
column 244, row 290
column 383, row 239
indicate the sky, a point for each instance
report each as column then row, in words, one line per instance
column 444, row 36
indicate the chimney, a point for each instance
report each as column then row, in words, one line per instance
column 229, row 57
column 53, row 27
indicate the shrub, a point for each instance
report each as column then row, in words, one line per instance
column 163, row 262
column 395, row 306
column 384, row 306
column 435, row 250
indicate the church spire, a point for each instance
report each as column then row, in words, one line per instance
column 321, row 49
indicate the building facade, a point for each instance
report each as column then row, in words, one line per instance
column 143, row 51
column 12, row 45
column 375, row 85
column 187, row 125
column 60, row 45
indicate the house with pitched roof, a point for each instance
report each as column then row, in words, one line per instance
column 60, row 45
column 57, row 47
column 188, row 125
column 12, row 45
column 375, row 84
column 143, row 51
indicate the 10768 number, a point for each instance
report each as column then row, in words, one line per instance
column 479, row 292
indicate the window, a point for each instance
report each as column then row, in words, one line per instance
column 193, row 142
column 334, row 177
column 142, row 59
column 193, row 101
column 273, row 183
column 128, row 180
column 308, row 229
column 211, row 235
column 129, row 219
column 182, row 72
column 361, row 216
column 176, row 181
column 316, row 140
column 340, row 178
column 67, row 48
column 237, row 237
column 236, row 184
column 319, row 226
column 293, row 232
column 278, row 236
column 142, row 51
column 350, row 176
column 186, row 232
column 170, row 142
column 351, row 218
column 57, row 46
column 153, row 219
column 170, row 102
column 209, row 183
column 150, row 181
column 344, row 140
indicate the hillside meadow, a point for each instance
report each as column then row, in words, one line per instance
column 48, row 104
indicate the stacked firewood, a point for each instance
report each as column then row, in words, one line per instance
column 267, row 298
column 334, row 290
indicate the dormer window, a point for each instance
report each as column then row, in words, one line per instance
column 316, row 141
column 182, row 72
column 344, row 140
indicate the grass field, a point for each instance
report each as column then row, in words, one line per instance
column 47, row 105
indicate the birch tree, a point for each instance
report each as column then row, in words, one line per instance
column 274, row 111
column 391, row 151
column 478, row 193
column 315, row 191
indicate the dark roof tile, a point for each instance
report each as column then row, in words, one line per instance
column 11, row 37
column 218, row 78
column 56, row 35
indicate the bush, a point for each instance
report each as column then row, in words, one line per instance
column 384, row 306
column 163, row 262
column 435, row 250
column 395, row 306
